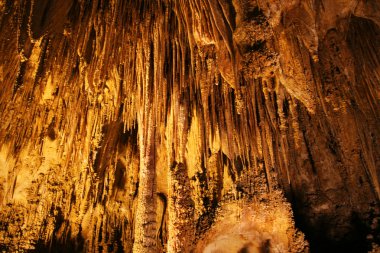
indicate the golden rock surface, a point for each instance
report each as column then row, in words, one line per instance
column 189, row 126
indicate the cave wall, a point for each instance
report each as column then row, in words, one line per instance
column 162, row 126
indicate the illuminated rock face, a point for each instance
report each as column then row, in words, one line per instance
column 199, row 125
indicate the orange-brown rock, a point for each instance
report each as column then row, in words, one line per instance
column 189, row 126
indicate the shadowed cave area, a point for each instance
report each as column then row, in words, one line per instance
column 189, row 126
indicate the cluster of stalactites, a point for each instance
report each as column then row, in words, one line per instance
column 227, row 93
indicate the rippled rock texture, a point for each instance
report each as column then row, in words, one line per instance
column 189, row 126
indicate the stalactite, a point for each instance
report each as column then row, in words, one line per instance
column 166, row 126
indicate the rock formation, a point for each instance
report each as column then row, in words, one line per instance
column 189, row 126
